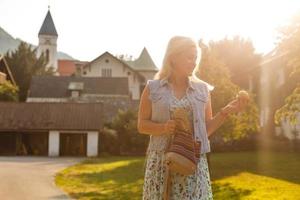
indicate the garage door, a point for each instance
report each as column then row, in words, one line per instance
column 35, row 143
column 73, row 144
column 7, row 144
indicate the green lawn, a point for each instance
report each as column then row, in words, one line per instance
column 240, row 175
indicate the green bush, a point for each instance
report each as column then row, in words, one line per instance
column 290, row 109
column 121, row 137
column 8, row 92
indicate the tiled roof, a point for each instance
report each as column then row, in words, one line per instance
column 57, row 86
column 50, row 116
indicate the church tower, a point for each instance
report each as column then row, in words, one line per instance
column 47, row 41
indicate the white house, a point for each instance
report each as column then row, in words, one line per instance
column 107, row 65
column 274, row 89
column 137, row 71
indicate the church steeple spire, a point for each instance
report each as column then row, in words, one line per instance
column 48, row 41
column 48, row 27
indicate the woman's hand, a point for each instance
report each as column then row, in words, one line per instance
column 236, row 105
column 169, row 127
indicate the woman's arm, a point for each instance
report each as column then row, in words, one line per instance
column 144, row 124
column 213, row 123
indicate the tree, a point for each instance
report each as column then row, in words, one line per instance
column 24, row 64
column 290, row 109
column 8, row 92
column 238, row 55
column 128, row 139
column 216, row 72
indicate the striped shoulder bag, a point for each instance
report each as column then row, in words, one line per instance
column 183, row 152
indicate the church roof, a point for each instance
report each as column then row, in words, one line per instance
column 143, row 63
column 48, row 27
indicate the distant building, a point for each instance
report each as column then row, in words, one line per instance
column 48, row 41
column 144, row 65
column 5, row 72
column 112, row 92
column 275, row 86
column 106, row 65
column 70, row 67
column 52, row 129
column 64, row 114
column 137, row 71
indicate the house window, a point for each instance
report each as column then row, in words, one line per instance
column 128, row 73
column 106, row 72
column 106, row 60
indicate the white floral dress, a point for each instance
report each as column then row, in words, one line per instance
column 192, row 187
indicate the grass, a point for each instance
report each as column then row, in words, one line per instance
column 254, row 175
column 237, row 175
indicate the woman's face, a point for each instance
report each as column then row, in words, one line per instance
column 184, row 62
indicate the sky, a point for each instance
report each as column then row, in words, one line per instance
column 88, row 28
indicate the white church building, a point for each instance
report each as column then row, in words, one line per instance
column 48, row 41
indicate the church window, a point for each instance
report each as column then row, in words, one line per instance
column 47, row 55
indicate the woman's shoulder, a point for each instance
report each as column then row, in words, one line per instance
column 201, row 83
column 152, row 81
column 153, row 84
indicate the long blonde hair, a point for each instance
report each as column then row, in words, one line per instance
column 176, row 45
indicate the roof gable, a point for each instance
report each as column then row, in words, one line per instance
column 119, row 60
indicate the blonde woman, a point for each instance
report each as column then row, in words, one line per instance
column 176, row 85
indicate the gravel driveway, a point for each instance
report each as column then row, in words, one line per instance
column 32, row 178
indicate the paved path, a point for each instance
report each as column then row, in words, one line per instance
column 32, row 178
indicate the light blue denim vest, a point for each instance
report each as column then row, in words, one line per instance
column 160, row 96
